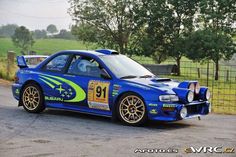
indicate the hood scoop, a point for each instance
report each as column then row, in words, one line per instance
column 161, row 80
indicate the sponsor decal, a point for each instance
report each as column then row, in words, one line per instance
column 209, row 150
column 17, row 91
column 156, row 150
column 67, row 90
column 153, row 111
column 116, row 89
column 98, row 94
column 51, row 98
column 153, row 105
column 168, row 107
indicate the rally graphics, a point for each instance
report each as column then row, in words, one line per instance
column 106, row 83
column 68, row 90
column 98, row 94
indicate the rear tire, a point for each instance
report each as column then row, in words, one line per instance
column 131, row 109
column 32, row 98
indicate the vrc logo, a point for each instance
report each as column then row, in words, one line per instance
column 209, row 150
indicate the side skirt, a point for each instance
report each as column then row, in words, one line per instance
column 80, row 109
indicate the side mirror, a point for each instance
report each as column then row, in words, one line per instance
column 105, row 75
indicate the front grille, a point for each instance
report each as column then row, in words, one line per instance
column 194, row 109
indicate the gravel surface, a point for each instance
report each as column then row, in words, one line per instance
column 69, row 134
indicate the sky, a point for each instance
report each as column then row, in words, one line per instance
column 35, row 14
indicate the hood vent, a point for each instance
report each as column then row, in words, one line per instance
column 161, row 80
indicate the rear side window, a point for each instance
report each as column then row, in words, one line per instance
column 57, row 64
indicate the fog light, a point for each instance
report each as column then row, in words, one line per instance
column 183, row 112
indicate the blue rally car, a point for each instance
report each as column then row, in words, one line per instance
column 106, row 83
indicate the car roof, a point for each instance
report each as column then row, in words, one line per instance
column 99, row 52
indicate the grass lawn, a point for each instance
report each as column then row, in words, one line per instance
column 46, row 46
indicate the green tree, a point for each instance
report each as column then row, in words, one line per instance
column 23, row 39
column 8, row 30
column 166, row 24
column 181, row 23
column 64, row 34
column 151, row 23
column 217, row 14
column 85, row 32
column 212, row 45
column 113, row 20
column 52, row 29
column 39, row 34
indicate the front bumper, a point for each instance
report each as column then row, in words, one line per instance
column 171, row 111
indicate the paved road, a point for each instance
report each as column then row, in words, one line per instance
column 68, row 134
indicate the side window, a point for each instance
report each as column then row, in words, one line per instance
column 84, row 66
column 57, row 63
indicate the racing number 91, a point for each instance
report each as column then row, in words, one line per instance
column 101, row 92
column 98, row 92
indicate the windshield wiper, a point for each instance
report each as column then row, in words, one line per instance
column 146, row 76
column 128, row 77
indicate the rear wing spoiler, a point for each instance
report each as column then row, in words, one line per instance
column 29, row 60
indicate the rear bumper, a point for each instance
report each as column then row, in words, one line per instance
column 16, row 88
column 171, row 112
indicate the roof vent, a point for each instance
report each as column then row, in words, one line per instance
column 107, row 51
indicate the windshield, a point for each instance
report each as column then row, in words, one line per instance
column 124, row 67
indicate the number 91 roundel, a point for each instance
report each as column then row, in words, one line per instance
column 98, row 94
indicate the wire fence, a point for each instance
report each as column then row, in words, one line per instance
column 223, row 90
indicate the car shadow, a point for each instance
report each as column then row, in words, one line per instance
column 151, row 125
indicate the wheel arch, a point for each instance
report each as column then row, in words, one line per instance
column 114, row 108
column 23, row 86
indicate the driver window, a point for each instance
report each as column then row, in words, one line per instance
column 84, row 66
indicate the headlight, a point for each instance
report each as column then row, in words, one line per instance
column 197, row 88
column 190, row 96
column 168, row 98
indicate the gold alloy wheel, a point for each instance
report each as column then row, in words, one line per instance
column 31, row 98
column 132, row 109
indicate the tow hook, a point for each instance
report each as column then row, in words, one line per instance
column 199, row 118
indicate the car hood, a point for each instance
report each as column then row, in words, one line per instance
column 162, row 84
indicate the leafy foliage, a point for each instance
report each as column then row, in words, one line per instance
column 52, row 29
column 217, row 14
column 22, row 38
column 64, row 34
column 39, row 34
column 212, row 45
column 159, row 29
column 113, row 20
column 8, row 30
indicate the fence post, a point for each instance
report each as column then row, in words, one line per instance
column 227, row 75
column 207, row 72
column 198, row 72
column 10, row 62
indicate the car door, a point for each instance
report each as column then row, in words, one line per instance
column 85, row 72
column 50, row 78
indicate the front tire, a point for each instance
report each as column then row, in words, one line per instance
column 32, row 98
column 131, row 109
